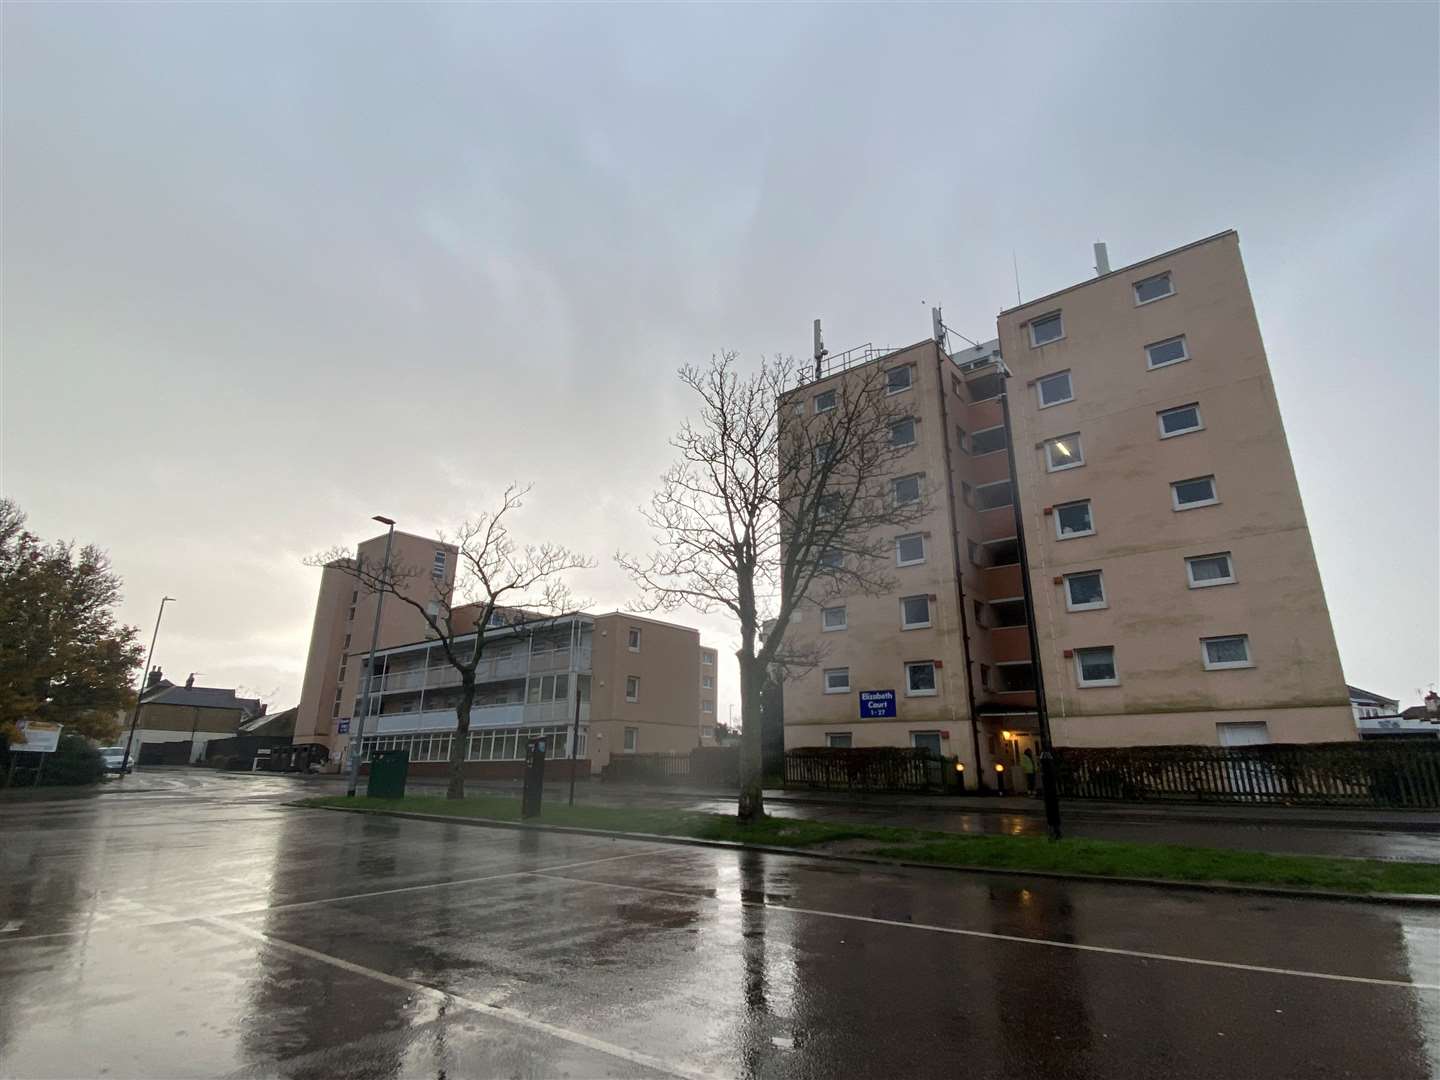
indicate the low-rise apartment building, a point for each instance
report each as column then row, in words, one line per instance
column 1176, row 591
column 639, row 684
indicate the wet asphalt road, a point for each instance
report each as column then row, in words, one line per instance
column 203, row 930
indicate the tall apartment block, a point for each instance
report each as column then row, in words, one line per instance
column 1176, row 591
column 639, row 684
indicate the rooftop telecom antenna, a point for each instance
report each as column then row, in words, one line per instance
column 820, row 351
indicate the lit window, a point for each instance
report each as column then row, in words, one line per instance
column 909, row 549
column 1187, row 494
column 1202, row 571
column 837, row 680
column 1179, row 421
column 632, row 688
column 920, row 679
column 1096, row 666
column 437, row 569
column 993, row 496
column 1232, row 651
column 632, row 739
column 1153, row 288
column 897, row 379
column 1074, row 519
column 1084, row 591
column 1046, row 329
column 1167, row 352
column 826, row 401
column 914, row 612
column 837, row 740
column 833, row 618
column 988, row 441
column 907, row 488
column 902, row 432
column 1064, row 452
column 633, row 640
column 1054, row 389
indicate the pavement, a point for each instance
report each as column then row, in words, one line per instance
column 197, row 926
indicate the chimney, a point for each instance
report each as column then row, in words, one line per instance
column 152, row 680
column 190, row 681
column 1102, row 260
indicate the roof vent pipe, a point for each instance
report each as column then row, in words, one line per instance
column 1102, row 260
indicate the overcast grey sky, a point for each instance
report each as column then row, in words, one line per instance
column 269, row 270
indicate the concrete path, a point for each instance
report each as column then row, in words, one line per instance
column 199, row 928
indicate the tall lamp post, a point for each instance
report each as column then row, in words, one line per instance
column 370, row 664
column 140, row 690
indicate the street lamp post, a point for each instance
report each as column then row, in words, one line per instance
column 140, row 691
column 359, row 732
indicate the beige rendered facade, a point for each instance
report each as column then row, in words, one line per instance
column 639, row 682
column 1166, row 615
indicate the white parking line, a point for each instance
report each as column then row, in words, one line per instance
column 485, row 1007
column 1018, row 939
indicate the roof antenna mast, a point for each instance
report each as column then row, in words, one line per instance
column 820, row 351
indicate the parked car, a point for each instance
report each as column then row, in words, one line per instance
column 115, row 759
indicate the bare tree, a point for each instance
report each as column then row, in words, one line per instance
column 770, row 505
column 494, row 575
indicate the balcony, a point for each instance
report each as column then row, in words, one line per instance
column 1001, row 581
column 1016, row 699
column 488, row 670
column 485, row 716
column 1009, row 644
column 997, row 524
column 985, row 414
column 988, row 468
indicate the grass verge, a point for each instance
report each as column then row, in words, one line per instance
column 1102, row 858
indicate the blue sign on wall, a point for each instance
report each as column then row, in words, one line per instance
column 343, row 727
column 875, row 704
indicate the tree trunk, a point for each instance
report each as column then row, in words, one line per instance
column 752, row 766
column 461, row 743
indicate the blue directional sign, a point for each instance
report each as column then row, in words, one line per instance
column 343, row 727
column 875, row 704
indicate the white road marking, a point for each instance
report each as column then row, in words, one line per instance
column 484, row 1006
column 1019, row 939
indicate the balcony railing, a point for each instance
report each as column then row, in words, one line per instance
column 514, row 714
column 491, row 670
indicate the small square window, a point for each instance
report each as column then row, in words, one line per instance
column 909, row 549
column 1085, row 591
column 632, row 688
column 837, row 740
column 633, row 640
column 907, row 488
column 1180, row 421
column 914, row 612
column 831, row 504
column 1046, row 329
column 1167, row 352
column 826, row 401
column 833, row 618
column 1096, row 666
column 898, row 379
column 1188, row 494
column 1153, row 288
column 1202, row 571
column 824, row 452
column 988, row 441
column 1232, row 651
column 1064, row 452
column 830, row 559
column 1055, row 389
column 902, row 432
column 707, row 706
column 920, row 679
column 837, row 680
column 1073, row 519
column 962, row 440
column 707, row 682
column 707, row 657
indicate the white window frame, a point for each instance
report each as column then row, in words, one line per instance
column 909, row 370
column 919, row 479
column 962, row 439
column 826, row 628
column 934, row 677
column 929, row 615
column 707, row 682
column 914, row 432
column 630, row 741
column 1150, row 364
column 1030, row 328
column 899, row 561
column 1226, row 665
column 437, row 566
column 1050, row 465
column 1061, row 535
column 632, row 688
column 632, row 639
column 707, row 706
column 1094, row 605
column 1004, row 445
column 825, row 680
column 1190, row 560
column 1177, row 505
column 834, row 396
column 1080, row 679
column 1160, row 421
column 707, row 657
column 1135, row 288
column 847, row 736
column 1040, row 388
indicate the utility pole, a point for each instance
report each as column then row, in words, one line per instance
column 1047, row 754
column 140, row 692
column 575, row 732
column 370, row 664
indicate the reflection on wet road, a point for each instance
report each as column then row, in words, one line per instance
column 202, row 929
